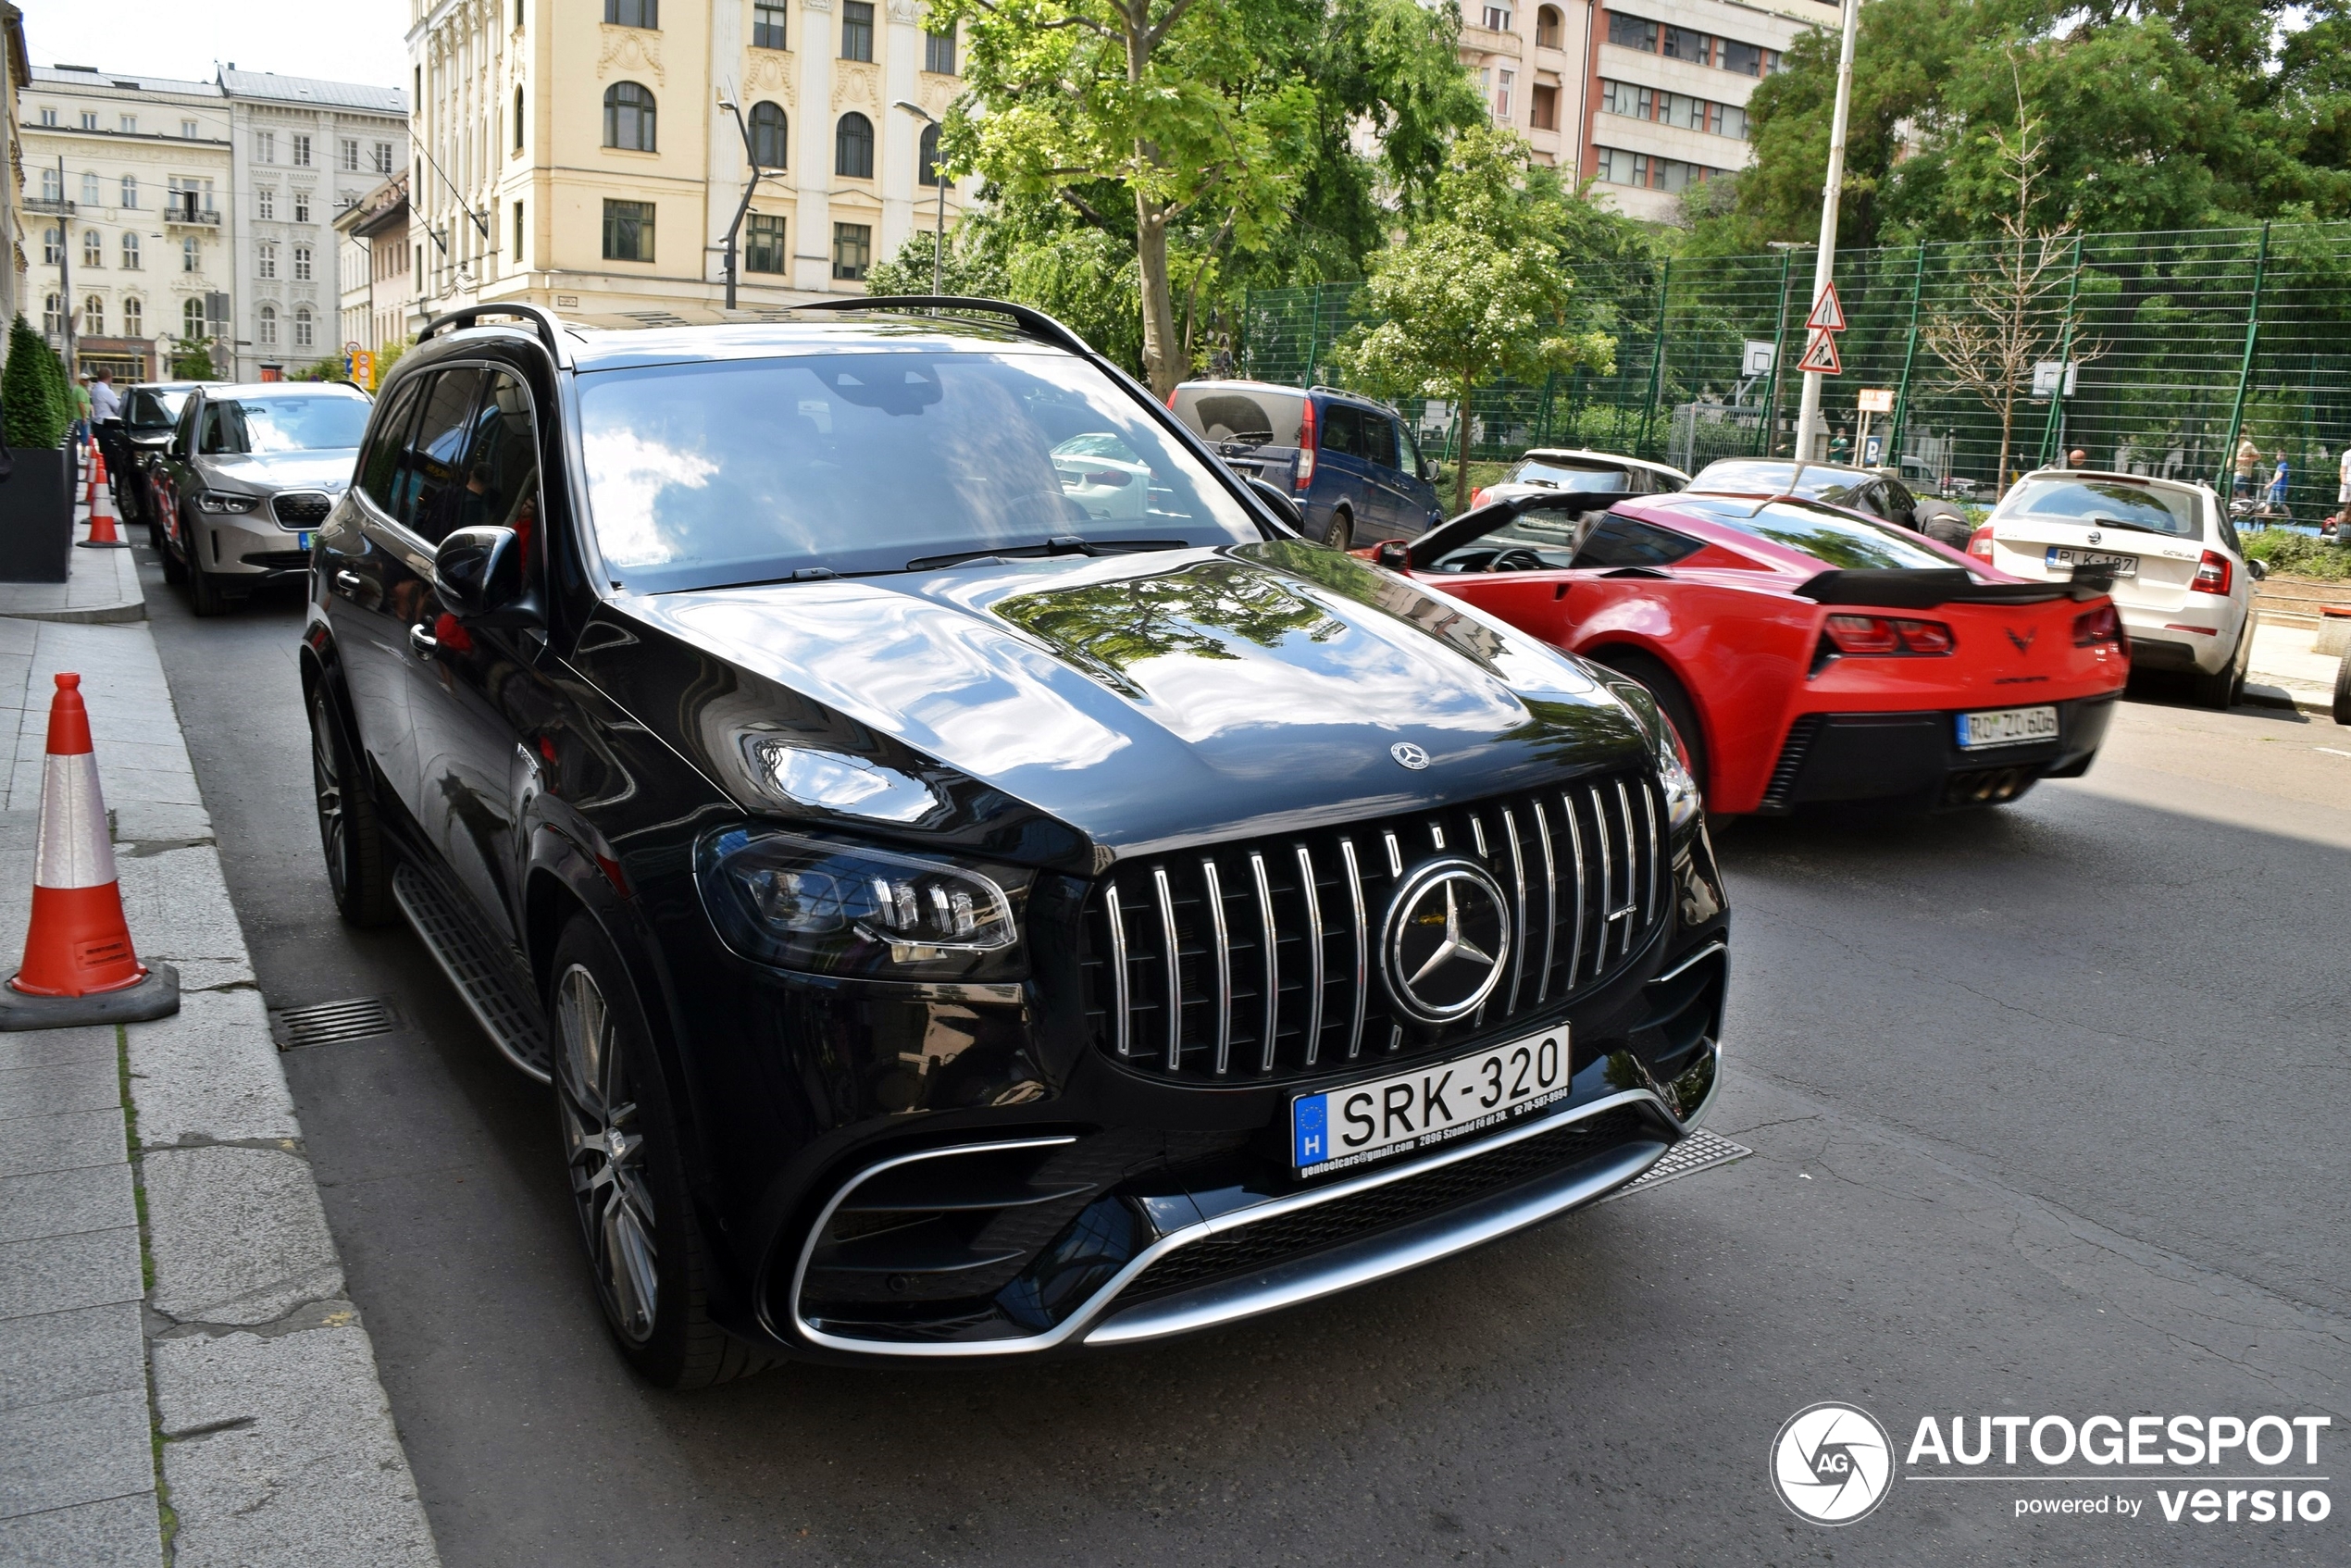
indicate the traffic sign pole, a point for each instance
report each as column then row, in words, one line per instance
column 1807, row 417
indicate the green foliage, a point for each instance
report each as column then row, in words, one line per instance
column 30, row 387
column 2290, row 554
column 193, row 364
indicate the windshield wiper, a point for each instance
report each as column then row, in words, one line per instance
column 1059, row 544
column 2098, row 522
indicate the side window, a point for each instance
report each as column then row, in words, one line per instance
column 430, row 484
column 382, row 458
column 1379, row 440
column 1408, row 453
column 502, row 465
column 223, row 433
column 183, row 439
column 1342, row 429
column 1622, row 541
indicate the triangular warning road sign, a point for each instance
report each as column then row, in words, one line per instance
column 1828, row 311
column 1820, row 354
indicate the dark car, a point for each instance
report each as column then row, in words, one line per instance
column 1872, row 492
column 957, row 921
column 1351, row 463
column 150, row 412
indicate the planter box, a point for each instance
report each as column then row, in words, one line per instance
column 36, row 516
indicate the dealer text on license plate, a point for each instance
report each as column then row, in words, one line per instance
column 2124, row 565
column 1429, row 1105
column 2006, row 726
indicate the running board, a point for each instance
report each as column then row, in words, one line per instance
column 507, row 1018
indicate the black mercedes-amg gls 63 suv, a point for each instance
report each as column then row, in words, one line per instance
column 979, row 882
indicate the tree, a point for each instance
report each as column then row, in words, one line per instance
column 35, row 416
column 194, row 363
column 1479, row 292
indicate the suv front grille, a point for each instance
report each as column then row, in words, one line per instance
column 1275, row 941
column 301, row 508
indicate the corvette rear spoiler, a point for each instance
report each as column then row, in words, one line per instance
column 1913, row 589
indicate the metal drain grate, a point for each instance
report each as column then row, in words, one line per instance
column 1700, row 1151
column 329, row 1022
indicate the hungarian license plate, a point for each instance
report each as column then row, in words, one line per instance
column 2124, row 565
column 2006, row 726
column 1429, row 1105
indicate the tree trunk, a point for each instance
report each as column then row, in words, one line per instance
column 2008, row 425
column 1164, row 358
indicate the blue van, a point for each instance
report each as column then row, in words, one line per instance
column 1350, row 463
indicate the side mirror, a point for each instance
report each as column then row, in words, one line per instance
column 1393, row 554
column 1279, row 500
column 2258, row 571
column 477, row 573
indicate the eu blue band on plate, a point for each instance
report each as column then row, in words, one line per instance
column 1310, row 1125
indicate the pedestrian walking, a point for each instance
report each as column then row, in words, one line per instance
column 106, row 413
column 2277, row 482
column 1840, row 446
column 2248, row 459
column 81, row 389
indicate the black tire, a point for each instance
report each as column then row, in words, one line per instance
column 2343, row 690
column 626, row 1169
column 1676, row 702
column 203, row 592
column 1340, row 535
column 349, row 832
column 2222, row 689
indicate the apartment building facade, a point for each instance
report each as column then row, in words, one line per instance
column 124, row 194
column 590, row 155
column 372, row 265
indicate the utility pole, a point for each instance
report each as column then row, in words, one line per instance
column 64, row 273
column 1808, row 417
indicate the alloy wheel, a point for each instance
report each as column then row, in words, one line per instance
column 325, row 776
column 604, row 1152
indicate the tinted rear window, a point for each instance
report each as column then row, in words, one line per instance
column 1260, row 417
column 1831, row 538
column 2107, row 501
column 1584, row 478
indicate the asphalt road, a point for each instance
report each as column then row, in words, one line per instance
column 2048, row 1111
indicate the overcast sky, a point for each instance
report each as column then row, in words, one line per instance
column 340, row 40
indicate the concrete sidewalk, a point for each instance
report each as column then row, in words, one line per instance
column 2286, row 673
column 181, row 1378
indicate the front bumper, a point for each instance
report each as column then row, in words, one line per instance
column 256, row 545
column 1913, row 760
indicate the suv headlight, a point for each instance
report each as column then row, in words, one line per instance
column 831, row 908
column 225, row 501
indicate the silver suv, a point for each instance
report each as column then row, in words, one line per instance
column 251, row 470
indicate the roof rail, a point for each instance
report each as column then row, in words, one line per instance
column 549, row 327
column 1033, row 319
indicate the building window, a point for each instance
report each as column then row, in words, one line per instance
column 302, row 152
column 1683, row 44
column 89, row 120
column 130, row 127
column 304, row 328
column 1551, row 31
column 939, row 50
column 266, row 326
column 1618, row 166
column 53, row 246
column 1730, row 119
column 93, row 318
column 383, row 158
column 764, row 249
column 1504, row 80
column 628, row 118
column 134, row 318
column 767, row 27
column 1498, row 18
column 768, row 129
column 853, row 148
column 518, row 119
column 852, row 249
column 265, row 202
column 347, row 154
column 302, row 264
column 1631, row 32
column 94, row 191
column 1543, row 107
column 518, row 246
column 302, row 206
column 48, row 116
column 130, row 250
column 927, row 159
column 629, row 231
column 52, row 316
column 265, row 146
column 856, row 30
column 130, row 192
column 191, row 254
column 53, row 185
column 93, row 248
column 1747, row 60
column 191, row 321
column 633, row 13
column 265, row 261
column 188, row 129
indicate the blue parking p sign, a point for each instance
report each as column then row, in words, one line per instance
column 1310, row 1121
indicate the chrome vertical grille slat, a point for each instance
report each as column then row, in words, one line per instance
column 1251, row 990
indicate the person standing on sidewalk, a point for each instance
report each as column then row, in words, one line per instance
column 2278, row 486
column 2342, row 496
column 2248, row 458
column 81, row 389
column 105, row 409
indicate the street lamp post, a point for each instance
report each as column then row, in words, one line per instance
column 1809, row 410
column 751, row 188
column 938, row 236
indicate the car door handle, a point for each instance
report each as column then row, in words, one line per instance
column 423, row 643
column 349, row 582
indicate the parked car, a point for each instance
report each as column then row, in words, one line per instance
column 1592, row 473
column 2181, row 577
column 959, row 920
column 150, row 413
column 1351, row 462
column 251, row 471
column 1872, row 492
column 1805, row 653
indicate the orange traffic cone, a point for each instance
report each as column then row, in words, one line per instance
column 89, row 469
column 79, row 965
column 102, row 518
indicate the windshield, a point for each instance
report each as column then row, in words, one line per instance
column 1830, row 537
column 154, row 410
column 1838, row 487
column 751, row 470
column 261, row 425
column 1259, row 416
column 2111, row 502
column 1581, row 478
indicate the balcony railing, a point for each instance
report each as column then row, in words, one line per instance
column 49, row 204
column 181, row 216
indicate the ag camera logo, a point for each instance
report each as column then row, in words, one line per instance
column 1832, row 1464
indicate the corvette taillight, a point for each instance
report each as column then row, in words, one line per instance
column 1979, row 544
column 2211, row 574
column 2100, row 628
column 1888, row 634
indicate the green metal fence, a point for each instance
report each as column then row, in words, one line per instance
column 2180, row 343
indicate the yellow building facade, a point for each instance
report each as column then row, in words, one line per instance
column 590, row 155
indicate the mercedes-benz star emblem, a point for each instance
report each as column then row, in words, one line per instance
column 1448, row 938
column 1412, row 756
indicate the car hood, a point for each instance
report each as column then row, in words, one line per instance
column 329, row 470
column 1146, row 702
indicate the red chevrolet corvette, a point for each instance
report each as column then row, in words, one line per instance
column 1805, row 653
